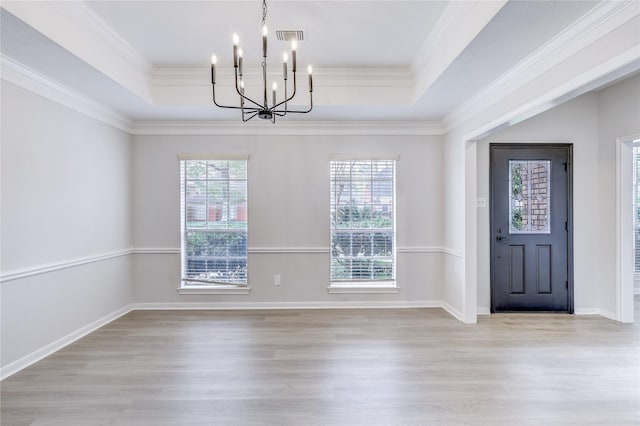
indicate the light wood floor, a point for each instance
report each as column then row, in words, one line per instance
column 336, row 367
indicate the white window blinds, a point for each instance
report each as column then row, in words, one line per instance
column 362, row 220
column 213, row 217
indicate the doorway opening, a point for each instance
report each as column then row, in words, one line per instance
column 531, row 227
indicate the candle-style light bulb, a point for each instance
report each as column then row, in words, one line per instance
column 264, row 41
column 310, row 70
column 274, row 86
column 294, row 46
column 285, row 58
column 213, row 69
column 236, row 40
column 240, row 61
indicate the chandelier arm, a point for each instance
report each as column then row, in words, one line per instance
column 299, row 112
column 245, row 97
column 290, row 97
column 229, row 107
column 247, row 119
column 292, row 111
column 285, row 97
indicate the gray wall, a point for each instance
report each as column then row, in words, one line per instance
column 288, row 211
column 65, row 198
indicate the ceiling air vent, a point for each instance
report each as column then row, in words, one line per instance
column 290, row 35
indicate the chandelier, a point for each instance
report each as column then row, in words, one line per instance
column 279, row 105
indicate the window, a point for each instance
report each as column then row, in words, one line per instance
column 363, row 222
column 213, row 195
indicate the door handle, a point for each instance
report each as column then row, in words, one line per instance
column 500, row 238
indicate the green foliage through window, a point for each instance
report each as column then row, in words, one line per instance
column 214, row 221
column 362, row 220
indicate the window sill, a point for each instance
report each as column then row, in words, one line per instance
column 382, row 288
column 213, row 289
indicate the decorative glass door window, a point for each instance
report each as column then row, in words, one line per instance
column 530, row 196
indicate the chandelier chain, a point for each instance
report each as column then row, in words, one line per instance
column 264, row 13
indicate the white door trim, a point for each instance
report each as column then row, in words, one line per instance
column 624, row 227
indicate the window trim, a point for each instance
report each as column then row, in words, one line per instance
column 214, row 289
column 185, row 287
column 343, row 287
column 371, row 286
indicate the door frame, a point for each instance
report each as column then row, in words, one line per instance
column 569, row 148
column 624, row 228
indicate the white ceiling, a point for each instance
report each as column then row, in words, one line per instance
column 340, row 34
column 373, row 60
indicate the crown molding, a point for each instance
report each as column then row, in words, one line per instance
column 83, row 13
column 595, row 24
column 79, row 30
column 25, row 78
column 22, row 76
column 460, row 23
column 312, row 128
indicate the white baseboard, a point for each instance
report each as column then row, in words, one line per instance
column 596, row 311
column 387, row 304
column 55, row 346
column 452, row 311
column 483, row 310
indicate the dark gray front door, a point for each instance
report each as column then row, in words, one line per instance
column 530, row 228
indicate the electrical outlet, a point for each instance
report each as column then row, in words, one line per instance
column 481, row 202
column 276, row 279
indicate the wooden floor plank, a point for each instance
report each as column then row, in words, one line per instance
column 335, row 367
